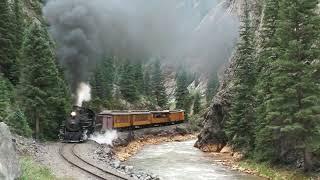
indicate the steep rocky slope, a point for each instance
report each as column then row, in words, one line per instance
column 212, row 137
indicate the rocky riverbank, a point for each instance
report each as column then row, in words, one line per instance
column 46, row 154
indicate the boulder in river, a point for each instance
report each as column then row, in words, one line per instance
column 9, row 163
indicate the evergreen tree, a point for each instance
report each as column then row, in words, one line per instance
column 241, row 123
column 212, row 86
column 5, row 103
column 9, row 112
column 266, row 56
column 18, row 123
column 293, row 109
column 128, row 88
column 138, row 75
column 8, row 65
column 107, row 69
column 42, row 92
column 19, row 26
column 102, row 84
column 147, row 84
column 197, row 103
column 182, row 92
column 157, row 84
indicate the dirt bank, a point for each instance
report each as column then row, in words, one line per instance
column 126, row 151
column 235, row 161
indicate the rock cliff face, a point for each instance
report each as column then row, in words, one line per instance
column 212, row 136
column 9, row 164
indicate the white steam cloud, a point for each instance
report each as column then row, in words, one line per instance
column 83, row 93
column 105, row 138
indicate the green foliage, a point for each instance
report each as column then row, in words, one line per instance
column 128, row 86
column 267, row 55
column 138, row 76
column 5, row 104
column 102, row 84
column 270, row 171
column 147, row 84
column 212, row 86
column 42, row 92
column 182, row 92
column 8, row 63
column 293, row 108
column 197, row 103
column 275, row 117
column 18, row 123
column 195, row 122
column 157, row 86
column 32, row 170
column 240, row 125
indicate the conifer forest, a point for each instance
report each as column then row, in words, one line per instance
column 247, row 75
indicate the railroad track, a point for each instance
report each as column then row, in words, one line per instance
column 67, row 151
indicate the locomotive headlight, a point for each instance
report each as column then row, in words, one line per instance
column 73, row 113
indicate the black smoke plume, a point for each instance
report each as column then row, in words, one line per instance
column 197, row 32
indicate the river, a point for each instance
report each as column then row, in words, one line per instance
column 181, row 161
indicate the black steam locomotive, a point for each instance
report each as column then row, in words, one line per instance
column 78, row 126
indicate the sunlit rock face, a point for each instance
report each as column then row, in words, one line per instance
column 9, row 164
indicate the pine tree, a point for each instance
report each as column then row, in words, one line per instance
column 42, row 92
column 5, row 104
column 147, row 84
column 293, row 109
column 19, row 26
column 197, row 103
column 212, row 86
column 18, row 123
column 138, row 75
column 182, row 92
column 240, row 125
column 128, row 88
column 107, row 69
column 268, row 45
column 8, row 65
column 157, row 84
column 102, row 84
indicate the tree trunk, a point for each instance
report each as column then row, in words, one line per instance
column 37, row 127
column 308, row 165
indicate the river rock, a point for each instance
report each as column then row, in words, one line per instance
column 9, row 163
column 226, row 149
column 238, row 155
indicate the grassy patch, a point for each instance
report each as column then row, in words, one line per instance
column 272, row 172
column 33, row 171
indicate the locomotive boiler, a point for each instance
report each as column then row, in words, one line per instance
column 78, row 126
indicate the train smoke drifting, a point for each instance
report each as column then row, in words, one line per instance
column 174, row 30
column 83, row 93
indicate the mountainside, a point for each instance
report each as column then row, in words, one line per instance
column 264, row 107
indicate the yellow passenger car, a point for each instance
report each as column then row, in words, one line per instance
column 160, row 117
column 177, row 116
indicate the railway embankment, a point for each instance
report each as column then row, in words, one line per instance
column 48, row 156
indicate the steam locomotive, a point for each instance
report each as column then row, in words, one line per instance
column 78, row 126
